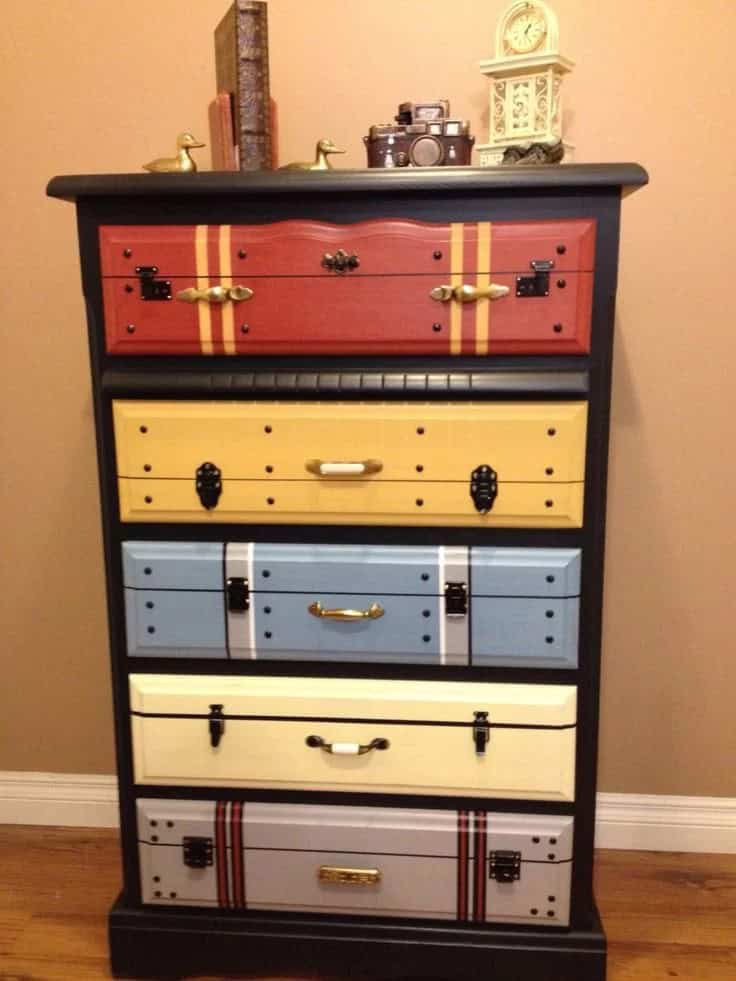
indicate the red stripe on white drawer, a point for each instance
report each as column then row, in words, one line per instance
column 221, row 853
column 463, row 862
column 479, row 895
column 236, row 853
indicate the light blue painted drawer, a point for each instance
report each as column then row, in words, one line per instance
column 372, row 603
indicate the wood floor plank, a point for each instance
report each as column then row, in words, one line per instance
column 662, row 962
column 666, row 915
column 667, row 898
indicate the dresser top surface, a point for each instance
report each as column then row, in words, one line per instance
column 405, row 181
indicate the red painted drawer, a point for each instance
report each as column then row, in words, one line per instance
column 383, row 303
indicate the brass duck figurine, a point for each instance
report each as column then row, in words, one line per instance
column 323, row 149
column 182, row 163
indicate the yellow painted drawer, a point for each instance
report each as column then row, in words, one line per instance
column 308, row 733
column 377, row 463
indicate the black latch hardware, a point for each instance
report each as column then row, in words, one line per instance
column 152, row 288
column 481, row 732
column 217, row 724
column 483, row 487
column 456, row 599
column 340, row 262
column 538, row 284
column 504, row 866
column 209, row 485
column 197, row 852
column 238, row 595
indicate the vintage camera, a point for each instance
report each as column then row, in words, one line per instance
column 423, row 135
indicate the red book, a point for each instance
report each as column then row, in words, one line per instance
column 222, row 137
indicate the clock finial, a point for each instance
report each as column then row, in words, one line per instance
column 526, row 77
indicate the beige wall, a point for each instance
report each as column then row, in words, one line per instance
column 101, row 87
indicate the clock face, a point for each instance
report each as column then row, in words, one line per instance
column 525, row 31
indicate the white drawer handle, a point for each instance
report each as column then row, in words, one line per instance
column 346, row 749
column 343, row 468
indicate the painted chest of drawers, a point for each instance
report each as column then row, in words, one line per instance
column 352, row 439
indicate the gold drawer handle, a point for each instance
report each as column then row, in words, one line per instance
column 346, row 749
column 348, row 877
column 468, row 294
column 374, row 611
column 345, row 468
column 216, row 294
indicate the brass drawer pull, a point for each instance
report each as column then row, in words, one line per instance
column 468, row 294
column 215, row 294
column 348, row 877
column 374, row 611
column 346, row 749
column 338, row 468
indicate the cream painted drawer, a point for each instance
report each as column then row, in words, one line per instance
column 327, row 734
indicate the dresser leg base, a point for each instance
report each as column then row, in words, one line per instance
column 160, row 943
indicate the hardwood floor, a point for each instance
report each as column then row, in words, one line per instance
column 666, row 915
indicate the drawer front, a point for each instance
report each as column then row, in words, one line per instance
column 364, row 860
column 372, row 463
column 295, row 299
column 290, row 733
column 368, row 603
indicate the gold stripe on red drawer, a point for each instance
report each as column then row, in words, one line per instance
column 227, row 309
column 483, row 306
column 456, row 279
column 204, row 314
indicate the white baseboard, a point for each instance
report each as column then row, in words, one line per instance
column 666, row 824
column 636, row 821
column 67, row 799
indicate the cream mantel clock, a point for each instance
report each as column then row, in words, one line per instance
column 526, row 78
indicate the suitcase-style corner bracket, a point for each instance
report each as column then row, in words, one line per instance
column 208, row 481
column 538, row 284
column 216, row 725
column 197, row 852
column 152, row 288
column 504, row 866
column 481, row 732
column 483, row 488
column 456, row 599
column 238, row 595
